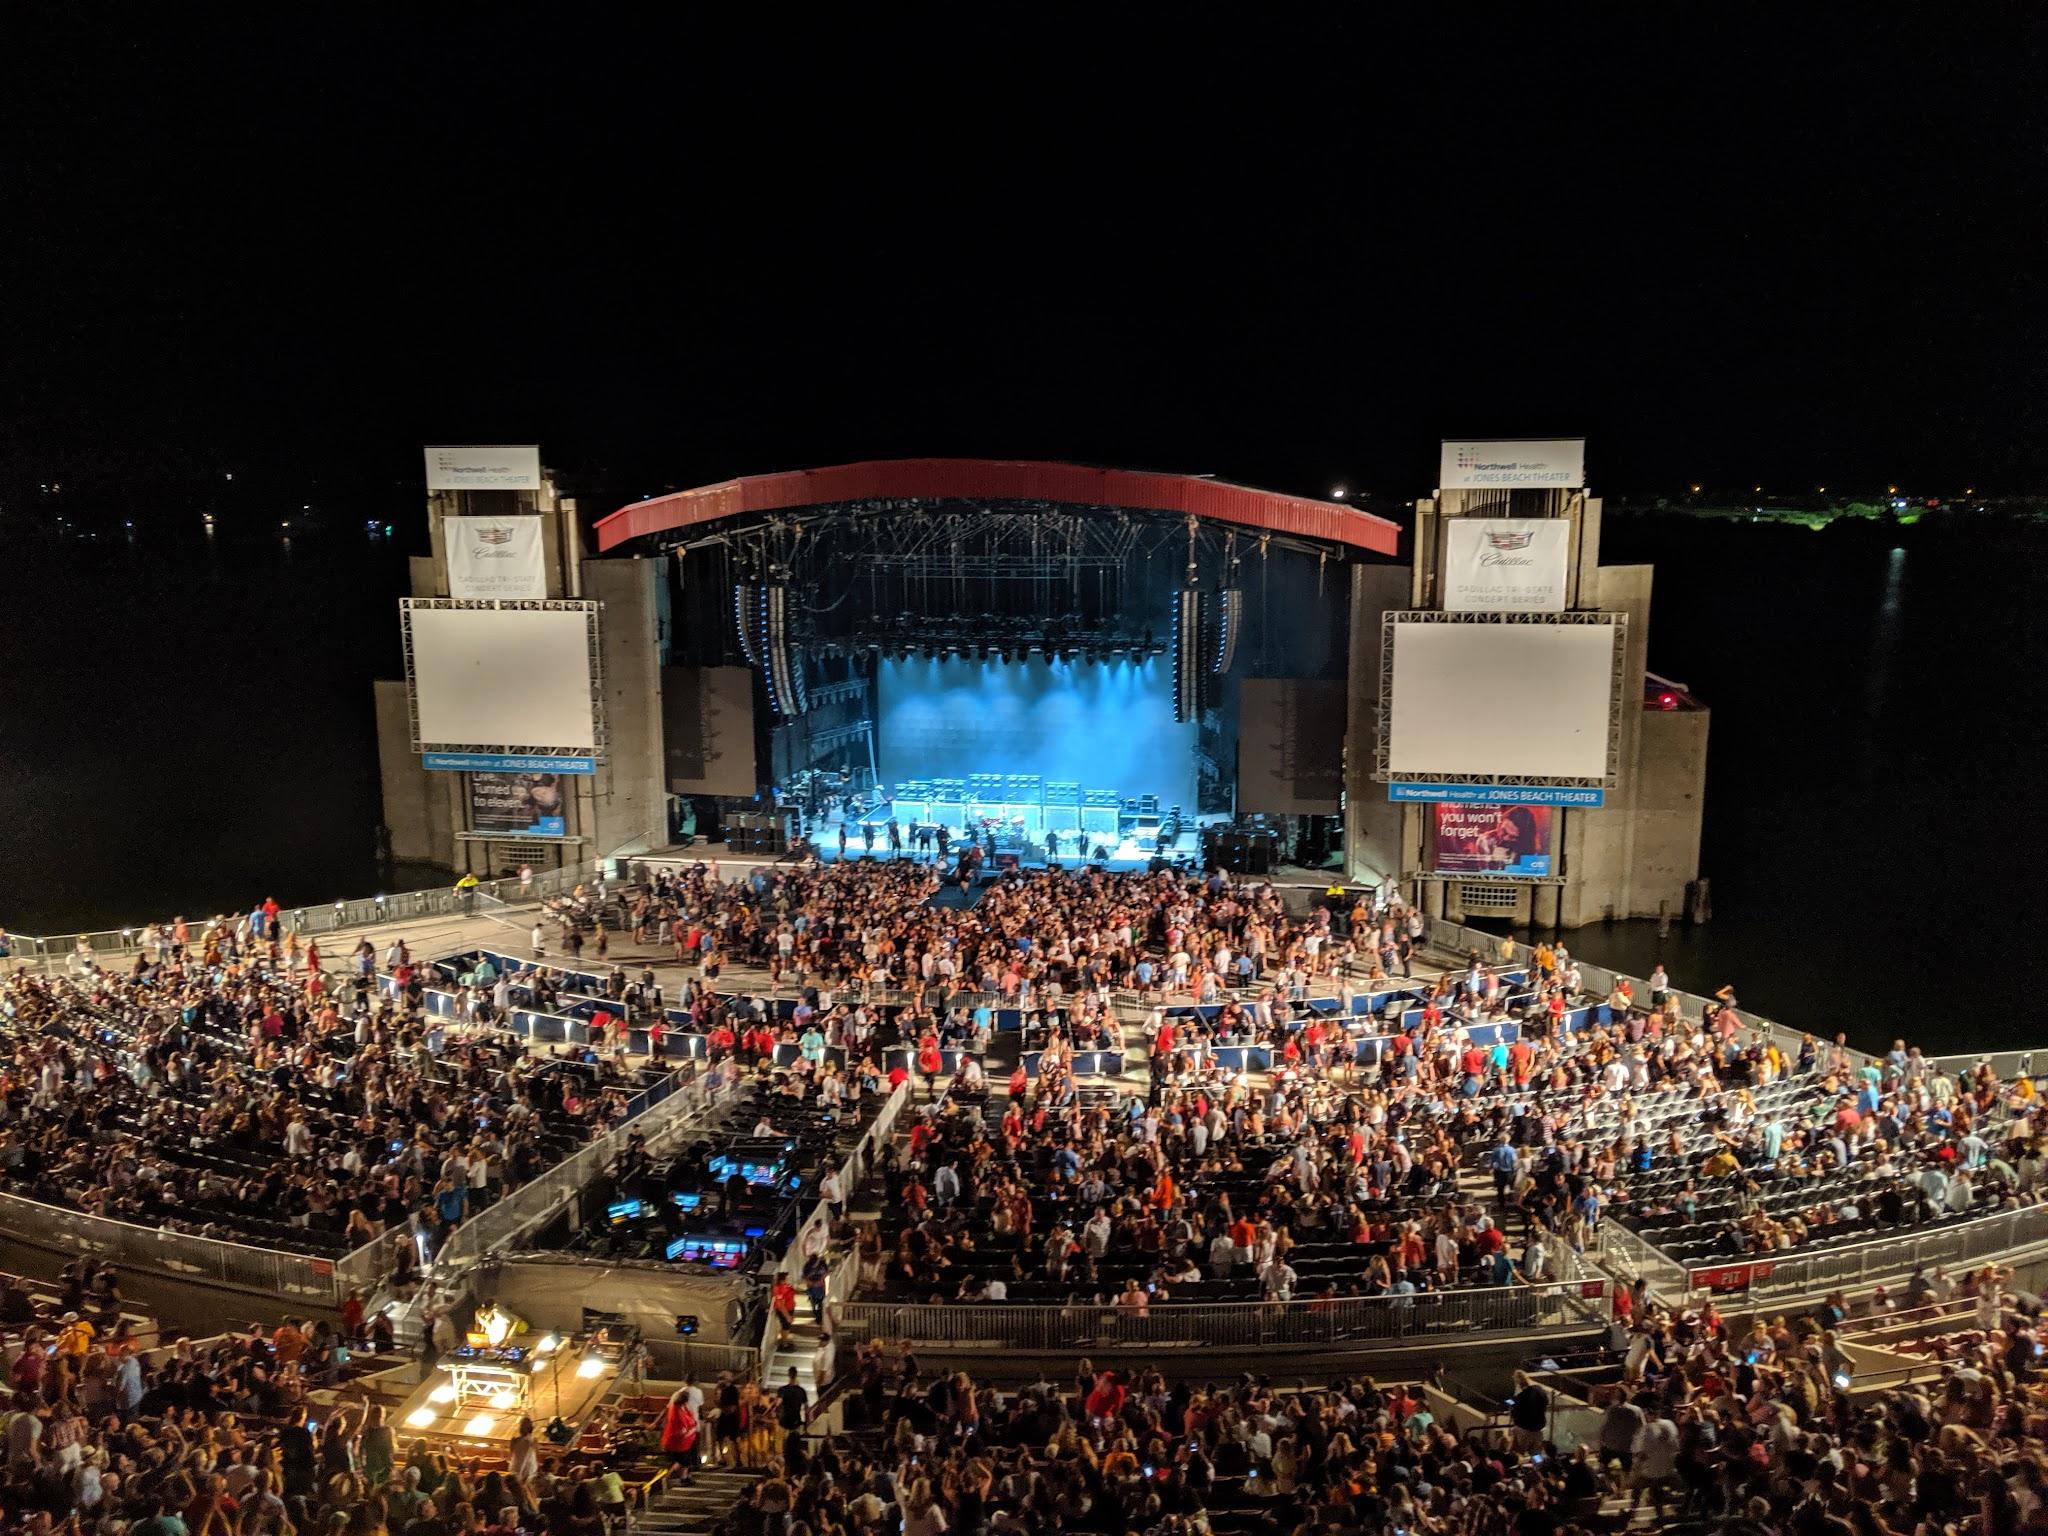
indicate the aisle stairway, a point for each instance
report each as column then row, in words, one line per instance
column 698, row 1509
column 801, row 1346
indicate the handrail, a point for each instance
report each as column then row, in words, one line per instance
column 1547, row 1307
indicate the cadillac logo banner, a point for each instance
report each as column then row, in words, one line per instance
column 495, row 557
column 1502, row 564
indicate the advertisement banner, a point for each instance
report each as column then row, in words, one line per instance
column 505, row 762
column 1506, row 564
column 1478, row 464
column 517, row 804
column 474, row 468
column 1499, row 794
column 495, row 557
column 1490, row 840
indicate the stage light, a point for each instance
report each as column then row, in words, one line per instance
column 548, row 1345
column 1667, row 701
column 504, row 1400
column 495, row 1324
column 480, row 1426
column 539, row 1364
column 420, row 1418
column 589, row 1366
column 442, row 1394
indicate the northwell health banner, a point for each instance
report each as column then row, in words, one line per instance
column 517, row 804
column 1505, row 564
column 1493, row 840
column 495, row 557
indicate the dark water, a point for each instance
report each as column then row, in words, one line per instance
column 1878, row 700
column 187, row 724
column 188, row 721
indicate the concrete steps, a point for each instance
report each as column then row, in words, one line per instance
column 698, row 1509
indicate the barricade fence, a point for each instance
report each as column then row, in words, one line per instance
column 1553, row 1307
column 180, row 1255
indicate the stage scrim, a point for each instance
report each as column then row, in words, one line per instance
column 1290, row 746
column 1108, row 724
column 707, row 728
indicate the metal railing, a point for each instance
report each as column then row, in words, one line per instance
column 1341, row 1322
column 1896, row 1257
column 1633, row 1259
column 46, row 951
column 689, row 1360
column 180, row 1255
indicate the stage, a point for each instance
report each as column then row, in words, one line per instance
column 1135, row 848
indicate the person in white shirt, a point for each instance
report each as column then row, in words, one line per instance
column 1277, row 1279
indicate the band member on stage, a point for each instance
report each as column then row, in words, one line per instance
column 895, row 838
column 867, row 836
column 1052, row 843
column 945, row 838
column 842, row 839
column 924, row 839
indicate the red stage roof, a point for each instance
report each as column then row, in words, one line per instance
column 1001, row 480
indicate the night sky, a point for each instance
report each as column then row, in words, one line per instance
column 1790, row 245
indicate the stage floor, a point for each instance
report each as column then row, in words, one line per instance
column 483, row 1426
column 1123, row 857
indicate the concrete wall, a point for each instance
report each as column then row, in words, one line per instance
column 624, row 806
column 1670, row 806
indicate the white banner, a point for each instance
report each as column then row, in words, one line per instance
column 494, row 557
column 1471, row 465
column 1506, row 564
column 473, row 468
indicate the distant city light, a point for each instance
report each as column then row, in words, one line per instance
column 1338, row 493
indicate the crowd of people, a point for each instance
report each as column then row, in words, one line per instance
column 256, row 1433
column 227, row 1083
column 1713, row 1425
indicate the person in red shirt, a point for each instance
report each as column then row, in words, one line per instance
column 1106, row 1399
column 1521, row 1062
